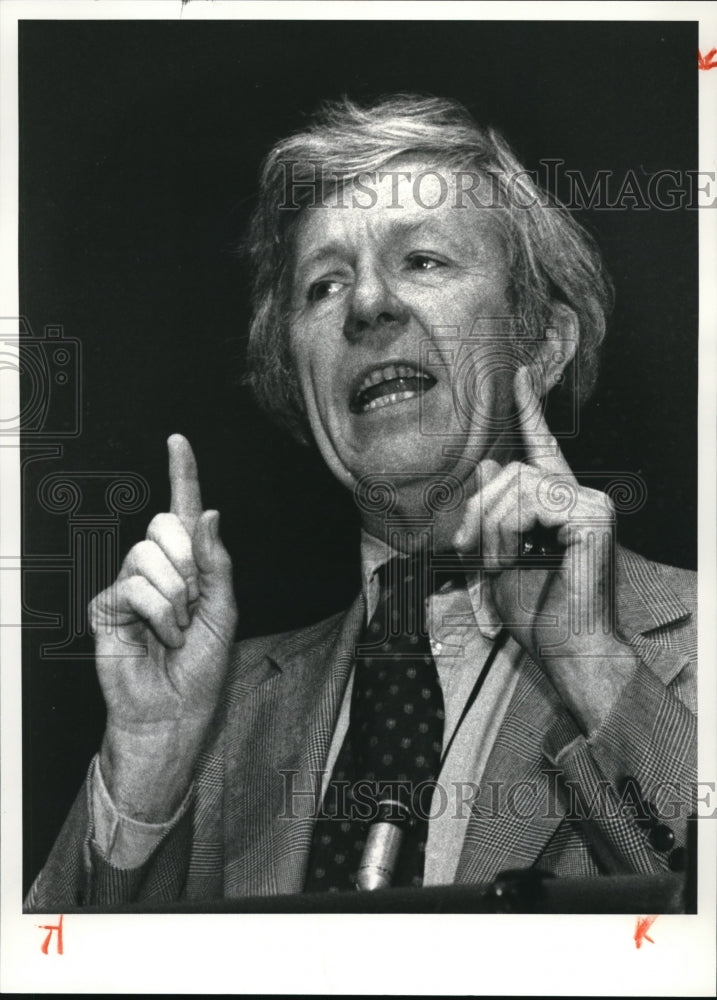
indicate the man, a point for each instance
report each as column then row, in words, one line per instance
column 416, row 299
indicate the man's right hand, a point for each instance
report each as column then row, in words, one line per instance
column 163, row 635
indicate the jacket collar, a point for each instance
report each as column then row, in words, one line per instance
column 334, row 638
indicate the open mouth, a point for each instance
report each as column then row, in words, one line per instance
column 388, row 384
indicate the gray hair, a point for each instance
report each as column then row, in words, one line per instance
column 552, row 256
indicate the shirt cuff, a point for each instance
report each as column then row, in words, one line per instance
column 125, row 842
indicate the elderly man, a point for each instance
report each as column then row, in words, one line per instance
column 511, row 688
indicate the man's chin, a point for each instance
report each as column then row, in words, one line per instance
column 402, row 453
column 432, row 489
column 408, row 459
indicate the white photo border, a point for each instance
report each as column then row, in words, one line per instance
column 324, row 953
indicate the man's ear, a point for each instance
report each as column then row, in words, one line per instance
column 557, row 345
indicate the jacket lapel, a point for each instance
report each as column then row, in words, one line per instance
column 276, row 754
column 518, row 809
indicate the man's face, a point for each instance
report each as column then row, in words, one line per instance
column 374, row 290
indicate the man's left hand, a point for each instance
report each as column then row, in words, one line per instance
column 563, row 615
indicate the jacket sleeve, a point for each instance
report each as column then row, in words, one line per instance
column 631, row 786
column 77, row 873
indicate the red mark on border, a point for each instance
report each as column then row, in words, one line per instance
column 641, row 929
column 51, row 928
column 708, row 61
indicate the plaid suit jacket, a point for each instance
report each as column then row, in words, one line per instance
column 549, row 797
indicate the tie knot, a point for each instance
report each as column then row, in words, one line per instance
column 420, row 574
column 400, row 569
column 403, row 582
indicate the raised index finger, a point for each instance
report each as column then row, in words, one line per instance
column 541, row 448
column 185, row 496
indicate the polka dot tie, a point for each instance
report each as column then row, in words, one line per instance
column 394, row 741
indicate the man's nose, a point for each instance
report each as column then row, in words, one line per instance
column 374, row 307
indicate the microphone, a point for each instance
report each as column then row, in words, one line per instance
column 383, row 844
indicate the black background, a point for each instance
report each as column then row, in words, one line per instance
column 140, row 144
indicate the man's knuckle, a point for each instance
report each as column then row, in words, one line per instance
column 156, row 524
column 137, row 587
column 604, row 501
column 144, row 551
column 130, row 561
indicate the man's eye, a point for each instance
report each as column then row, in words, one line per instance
column 423, row 262
column 322, row 289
